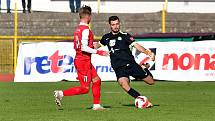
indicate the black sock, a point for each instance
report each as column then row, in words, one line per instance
column 133, row 93
column 148, row 72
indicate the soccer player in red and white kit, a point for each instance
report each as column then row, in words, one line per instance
column 83, row 44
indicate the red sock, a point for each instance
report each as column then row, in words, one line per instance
column 96, row 87
column 75, row 91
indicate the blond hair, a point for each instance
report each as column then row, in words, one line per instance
column 85, row 11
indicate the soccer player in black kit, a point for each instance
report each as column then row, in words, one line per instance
column 122, row 60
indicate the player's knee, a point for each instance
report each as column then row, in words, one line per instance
column 151, row 82
column 85, row 90
column 120, row 82
column 97, row 82
column 124, row 85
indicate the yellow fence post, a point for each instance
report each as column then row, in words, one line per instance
column 163, row 20
column 164, row 10
column 99, row 3
column 15, row 37
column 166, row 3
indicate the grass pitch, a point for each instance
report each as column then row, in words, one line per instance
column 174, row 101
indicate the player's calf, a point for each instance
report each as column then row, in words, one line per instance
column 58, row 94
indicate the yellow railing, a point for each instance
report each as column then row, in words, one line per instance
column 15, row 37
column 38, row 38
column 164, row 10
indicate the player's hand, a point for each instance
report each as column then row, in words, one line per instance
column 96, row 45
column 102, row 53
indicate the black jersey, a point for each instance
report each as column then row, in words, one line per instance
column 118, row 45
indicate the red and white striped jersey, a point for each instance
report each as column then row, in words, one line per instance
column 83, row 42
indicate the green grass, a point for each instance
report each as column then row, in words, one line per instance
column 174, row 101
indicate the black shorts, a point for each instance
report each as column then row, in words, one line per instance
column 133, row 70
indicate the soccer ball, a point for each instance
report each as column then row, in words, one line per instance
column 141, row 102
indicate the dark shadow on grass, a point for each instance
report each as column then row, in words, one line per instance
column 156, row 105
column 64, row 80
column 132, row 105
column 107, row 107
column 128, row 105
column 60, row 108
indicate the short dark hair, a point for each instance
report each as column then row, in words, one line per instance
column 85, row 10
column 113, row 18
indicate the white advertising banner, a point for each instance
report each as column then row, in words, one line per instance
column 183, row 61
column 54, row 61
column 175, row 61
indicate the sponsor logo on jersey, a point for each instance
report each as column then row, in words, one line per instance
column 112, row 42
column 119, row 38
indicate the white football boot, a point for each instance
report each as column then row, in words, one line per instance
column 98, row 107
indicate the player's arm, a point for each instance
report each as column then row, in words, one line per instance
column 140, row 48
column 100, row 43
column 144, row 50
column 97, row 45
column 86, row 48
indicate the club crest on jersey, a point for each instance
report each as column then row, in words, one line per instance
column 112, row 42
column 119, row 38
